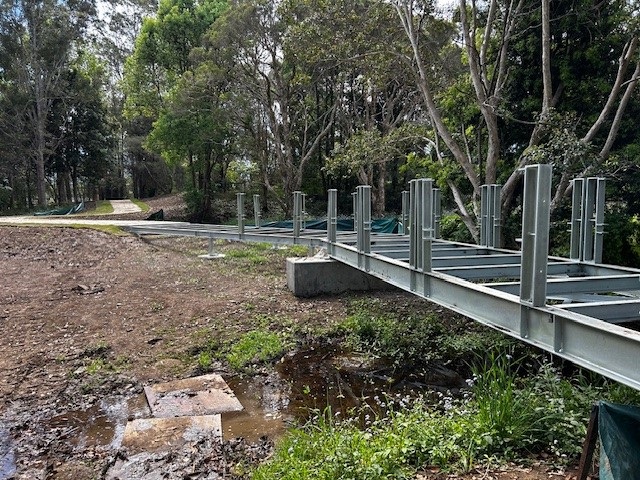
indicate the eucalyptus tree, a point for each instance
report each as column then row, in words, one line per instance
column 356, row 43
column 80, row 164
column 283, row 112
column 37, row 40
column 492, row 36
column 161, row 57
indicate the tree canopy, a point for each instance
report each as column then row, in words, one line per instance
column 273, row 97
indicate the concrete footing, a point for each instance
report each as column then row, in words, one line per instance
column 313, row 276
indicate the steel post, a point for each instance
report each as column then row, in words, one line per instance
column 484, row 214
column 241, row 215
column 576, row 219
column 599, row 221
column 354, row 198
column 496, row 211
column 490, row 216
column 404, row 219
column 427, row 224
column 332, row 219
column 415, row 239
column 257, row 214
column 297, row 213
column 535, row 235
column 437, row 212
column 364, row 225
column 587, row 219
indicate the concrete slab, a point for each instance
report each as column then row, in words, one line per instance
column 152, row 435
column 204, row 395
column 313, row 276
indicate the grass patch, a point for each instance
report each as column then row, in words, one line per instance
column 414, row 339
column 143, row 206
column 103, row 207
column 502, row 417
column 110, row 229
column 257, row 346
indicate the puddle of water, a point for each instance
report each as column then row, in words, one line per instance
column 102, row 425
column 7, row 456
column 305, row 382
column 324, row 378
column 265, row 409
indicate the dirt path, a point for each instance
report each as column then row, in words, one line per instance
column 124, row 206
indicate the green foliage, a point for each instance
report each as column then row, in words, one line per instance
column 254, row 347
column 501, row 417
column 413, row 339
column 452, row 228
column 622, row 238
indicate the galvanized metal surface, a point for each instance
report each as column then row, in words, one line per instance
column 570, row 307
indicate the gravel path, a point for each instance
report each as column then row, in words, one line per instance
column 124, row 206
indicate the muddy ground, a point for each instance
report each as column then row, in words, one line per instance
column 87, row 319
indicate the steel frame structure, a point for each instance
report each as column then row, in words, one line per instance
column 574, row 308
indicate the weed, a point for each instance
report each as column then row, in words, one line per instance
column 205, row 361
column 502, row 417
column 100, row 349
column 296, row 251
column 255, row 347
column 157, row 306
column 96, row 366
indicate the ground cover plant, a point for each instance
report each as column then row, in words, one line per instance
column 501, row 417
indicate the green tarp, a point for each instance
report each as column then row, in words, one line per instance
column 382, row 225
column 619, row 427
column 63, row 210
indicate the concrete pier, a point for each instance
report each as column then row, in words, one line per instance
column 313, row 276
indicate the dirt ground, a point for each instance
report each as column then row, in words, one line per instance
column 85, row 315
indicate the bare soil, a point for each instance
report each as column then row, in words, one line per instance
column 85, row 315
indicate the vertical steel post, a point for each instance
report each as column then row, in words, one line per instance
column 427, row 224
column 496, row 210
column 576, row 219
column 404, row 219
column 587, row 219
column 535, row 236
column 241, row 215
column 364, row 225
column 332, row 219
column 437, row 212
column 413, row 244
column 490, row 216
column 599, row 221
column 484, row 215
column 257, row 214
column 354, row 198
column 297, row 214
column 303, row 219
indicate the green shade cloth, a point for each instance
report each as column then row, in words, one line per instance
column 63, row 210
column 382, row 225
column 619, row 427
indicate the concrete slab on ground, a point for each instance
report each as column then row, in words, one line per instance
column 204, row 395
column 313, row 276
column 158, row 434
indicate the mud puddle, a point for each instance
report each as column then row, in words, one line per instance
column 322, row 379
column 305, row 382
column 102, row 425
column 7, row 455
